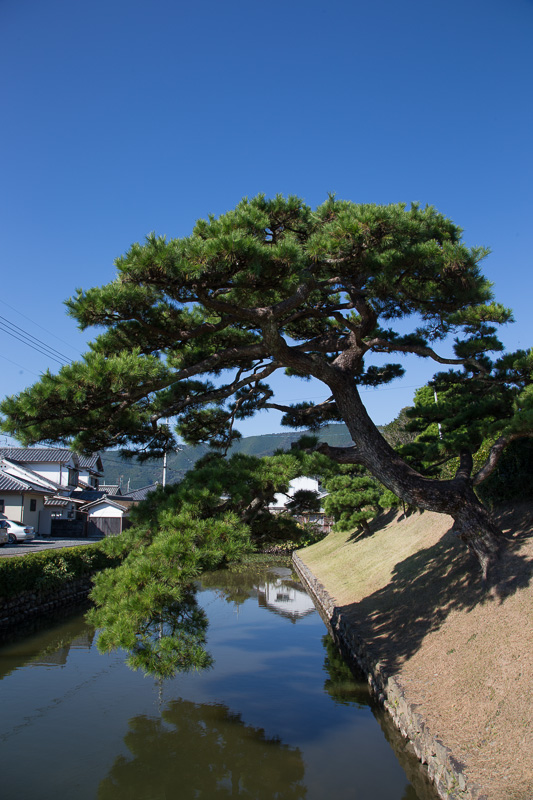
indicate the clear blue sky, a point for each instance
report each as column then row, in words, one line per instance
column 122, row 117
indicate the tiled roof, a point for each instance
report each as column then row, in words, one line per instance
column 37, row 455
column 92, row 462
column 109, row 488
column 56, row 501
column 140, row 494
column 52, row 455
column 30, row 477
column 88, row 461
column 9, row 484
column 119, row 502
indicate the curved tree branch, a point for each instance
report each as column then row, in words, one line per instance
column 495, row 453
column 342, row 455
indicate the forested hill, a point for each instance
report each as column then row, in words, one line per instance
column 117, row 470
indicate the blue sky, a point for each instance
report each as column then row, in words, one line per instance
column 122, row 117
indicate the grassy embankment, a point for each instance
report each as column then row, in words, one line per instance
column 462, row 650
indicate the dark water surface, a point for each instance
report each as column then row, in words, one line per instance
column 279, row 715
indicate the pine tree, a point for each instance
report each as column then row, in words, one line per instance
column 194, row 328
column 353, row 499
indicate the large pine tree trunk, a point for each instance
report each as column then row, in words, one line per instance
column 473, row 522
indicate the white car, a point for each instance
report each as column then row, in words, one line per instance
column 16, row 532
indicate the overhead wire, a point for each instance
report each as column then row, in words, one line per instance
column 19, row 365
column 32, row 341
column 38, row 325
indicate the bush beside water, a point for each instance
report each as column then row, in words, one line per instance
column 50, row 569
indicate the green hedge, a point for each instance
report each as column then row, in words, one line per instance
column 49, row 569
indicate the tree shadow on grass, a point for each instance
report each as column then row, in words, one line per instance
column 384, row 517
column 434, row 582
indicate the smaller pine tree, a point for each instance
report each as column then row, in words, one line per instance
column 353, row 499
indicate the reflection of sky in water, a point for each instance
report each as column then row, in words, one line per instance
column 92, row 726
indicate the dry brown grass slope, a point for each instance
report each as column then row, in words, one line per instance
column 461, row 649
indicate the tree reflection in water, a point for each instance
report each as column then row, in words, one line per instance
column 202, row 751
column 341, row 685
column 168, row 635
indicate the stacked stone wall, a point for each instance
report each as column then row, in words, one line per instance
column 27, row 606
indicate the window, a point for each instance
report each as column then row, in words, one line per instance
column 2, row 506
column 73, row 476
column 33, row 504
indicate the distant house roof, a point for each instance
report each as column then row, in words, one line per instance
column 87, row 494
column 116, row 502
column 52, row 455
column 38, row 455
column 92, row 463
column 9, row 484
column 56, row 502
column 140, row 494
column 110, row 488
column 26, row 478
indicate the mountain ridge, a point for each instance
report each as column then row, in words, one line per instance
column 126, row 472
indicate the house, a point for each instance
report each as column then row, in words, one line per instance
column 110, row 488
column 22, row 496
column 58, row 491
column 90, row 470
column 53, row 474
column 58, row 464
column 319, row 518
column 140, row 494
column 108, row 514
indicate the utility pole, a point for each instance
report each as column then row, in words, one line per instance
column 165, row 468
column 436, row 403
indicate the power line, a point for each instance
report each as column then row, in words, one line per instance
column 40, row 326
column 19, row 365
column 37, row 347
column 23, row 332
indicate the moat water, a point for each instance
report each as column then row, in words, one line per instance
column 278, row 716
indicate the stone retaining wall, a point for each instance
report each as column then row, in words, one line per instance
column 30, row 605
column 445, row 771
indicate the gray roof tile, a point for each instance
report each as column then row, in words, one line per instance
column 140, row 494
column 37, row 455
column 9, row 484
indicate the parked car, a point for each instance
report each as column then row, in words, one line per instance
column 16, row 532
column 3, row 536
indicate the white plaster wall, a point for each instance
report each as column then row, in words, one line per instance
column 105, row 510
column 310, row 484
column 87, row 477
column 32, row 517
column 51, row 471
column 13, row 506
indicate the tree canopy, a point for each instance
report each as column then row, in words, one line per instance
column 192, row 329
column 215, row 515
